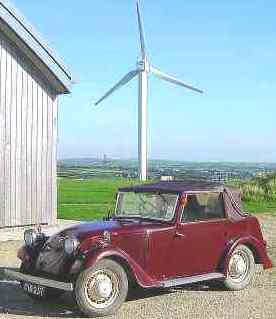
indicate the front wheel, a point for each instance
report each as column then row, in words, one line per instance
column 241, row 268
column 101, row 290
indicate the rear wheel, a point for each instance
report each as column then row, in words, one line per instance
column 101, row 290
column 241, row 268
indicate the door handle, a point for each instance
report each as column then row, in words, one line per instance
column 179, row 235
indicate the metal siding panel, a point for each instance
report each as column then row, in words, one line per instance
column 54, row 162
column 29, row 130
column 39, row 113
column 50, row 207
column 28, row 137
column 44, row 193
column 24, row 109
column 33, row 92
column 13, row 137
column 18, row 137
column 2, row 131
column 7, row 171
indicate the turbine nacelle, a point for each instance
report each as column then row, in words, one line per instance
column 143, row 66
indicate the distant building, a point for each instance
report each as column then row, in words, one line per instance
column 31, row 79
column 167, row 178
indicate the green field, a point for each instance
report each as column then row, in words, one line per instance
column 92, row 198
column 260, row 207
column 88, row 199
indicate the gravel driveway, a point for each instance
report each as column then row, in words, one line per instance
column 194, row 301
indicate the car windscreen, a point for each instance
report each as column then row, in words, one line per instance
column 159, row 206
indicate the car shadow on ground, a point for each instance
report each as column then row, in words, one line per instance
column 15, row 302
column 139, row 293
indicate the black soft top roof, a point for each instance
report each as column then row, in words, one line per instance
column 176, row 187
column 231, row 196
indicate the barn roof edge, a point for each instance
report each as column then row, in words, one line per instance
column 39, row 47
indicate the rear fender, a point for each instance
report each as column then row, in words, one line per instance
column 141, row 277
column 258, row 248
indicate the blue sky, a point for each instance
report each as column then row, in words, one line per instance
column 227, row 48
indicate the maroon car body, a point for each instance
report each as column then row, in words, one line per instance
column 153, row 252
column 156, row 251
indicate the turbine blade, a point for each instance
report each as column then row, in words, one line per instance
column 173, row 80
column 121, row 83
column 141, row 30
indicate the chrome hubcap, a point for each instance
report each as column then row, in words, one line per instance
column 102, row 288
column 238, row 266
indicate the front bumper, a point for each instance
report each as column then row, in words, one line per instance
column 16, row 275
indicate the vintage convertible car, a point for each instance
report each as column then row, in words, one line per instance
column 161, row 235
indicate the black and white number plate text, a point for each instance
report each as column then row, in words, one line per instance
column 34, row 289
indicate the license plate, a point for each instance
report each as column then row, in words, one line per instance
column 34, row 289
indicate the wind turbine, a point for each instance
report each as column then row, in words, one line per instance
column 143, row 70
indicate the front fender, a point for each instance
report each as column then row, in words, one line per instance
column 142, row 278
column 258, row 248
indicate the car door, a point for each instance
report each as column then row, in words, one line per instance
column 158, row 254
column 200, row 236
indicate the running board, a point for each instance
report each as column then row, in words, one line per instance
column 190, row 280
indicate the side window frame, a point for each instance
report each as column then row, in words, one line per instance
column 183, row 222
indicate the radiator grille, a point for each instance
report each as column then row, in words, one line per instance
column 52, row 257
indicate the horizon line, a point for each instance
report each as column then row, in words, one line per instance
column 167, row 160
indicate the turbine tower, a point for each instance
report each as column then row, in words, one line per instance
column 143, row 70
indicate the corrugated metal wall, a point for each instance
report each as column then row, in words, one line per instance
column 28, row 132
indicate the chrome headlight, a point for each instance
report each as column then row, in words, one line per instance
column 30, row 237
column 71, row 246
column 107, row 236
